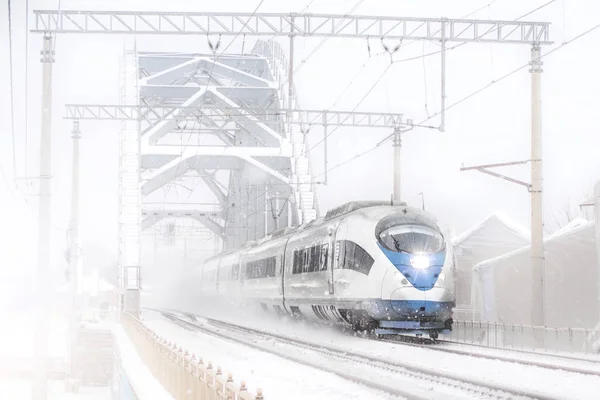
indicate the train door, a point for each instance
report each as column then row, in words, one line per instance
column 333, row 257
column 284, row 261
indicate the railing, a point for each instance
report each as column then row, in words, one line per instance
column 184, row 376
column 498, row 335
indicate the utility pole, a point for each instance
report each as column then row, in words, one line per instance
column 443, row 76
column 74, row 252
column 39, row 387
column 537, row 224
column 325, row 146
column 291, row 69
column 538, row 317
column 397, row 144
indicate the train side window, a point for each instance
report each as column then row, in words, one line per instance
column 355, row 257
column 366, row 262
column 342, row 253
column 305, row 261
column 271, row 267
column 298, row 262
column 315, row 259
column 324, row 252
column 349, row 258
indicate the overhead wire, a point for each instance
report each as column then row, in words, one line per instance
column 421, row 57
column 325, row 39
column 354, row 109
column 476, row 92
column 490, row 30
column 307, row 6
column 479, row 9
column 466, row 97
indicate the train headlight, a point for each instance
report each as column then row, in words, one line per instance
column 420, row 262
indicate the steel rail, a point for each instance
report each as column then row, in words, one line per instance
column 444, row 378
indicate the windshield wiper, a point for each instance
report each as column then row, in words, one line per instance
column 396, row 244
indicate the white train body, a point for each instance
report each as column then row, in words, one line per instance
column 373, row 266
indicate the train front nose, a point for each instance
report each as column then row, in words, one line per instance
column 415, row 305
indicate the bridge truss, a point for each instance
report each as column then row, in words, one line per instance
column 225, row 123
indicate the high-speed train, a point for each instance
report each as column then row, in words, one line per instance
column 376, row 267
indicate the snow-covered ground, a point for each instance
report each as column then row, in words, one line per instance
column 279, row 378
column 552, row 383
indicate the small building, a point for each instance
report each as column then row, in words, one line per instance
column 503, row 285
column 495, row 235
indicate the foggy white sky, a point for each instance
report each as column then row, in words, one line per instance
column 493, row 126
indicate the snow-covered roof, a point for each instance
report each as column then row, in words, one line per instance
column 551, row 239
column 571, row 225
column 497, row 216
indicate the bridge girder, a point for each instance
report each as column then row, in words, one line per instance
column 255, row 149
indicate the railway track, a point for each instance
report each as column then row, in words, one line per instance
column 557, row 362
column 397, row 378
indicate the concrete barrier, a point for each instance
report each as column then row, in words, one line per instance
column 182, row 374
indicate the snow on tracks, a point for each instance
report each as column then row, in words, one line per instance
column 399, row 377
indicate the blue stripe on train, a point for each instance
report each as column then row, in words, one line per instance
column 422, row 279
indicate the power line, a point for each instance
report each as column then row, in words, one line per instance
column 421, row 57
column 326, row 38
column 307, row 6
column 479, row 9
column 494, row 28
column 12, row 99
column 354, row 109
column 493, row 82
column 590, row 30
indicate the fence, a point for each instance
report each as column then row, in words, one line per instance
column 498, row 335
column 184, row 376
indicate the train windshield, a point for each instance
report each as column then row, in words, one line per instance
column 412, row 239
